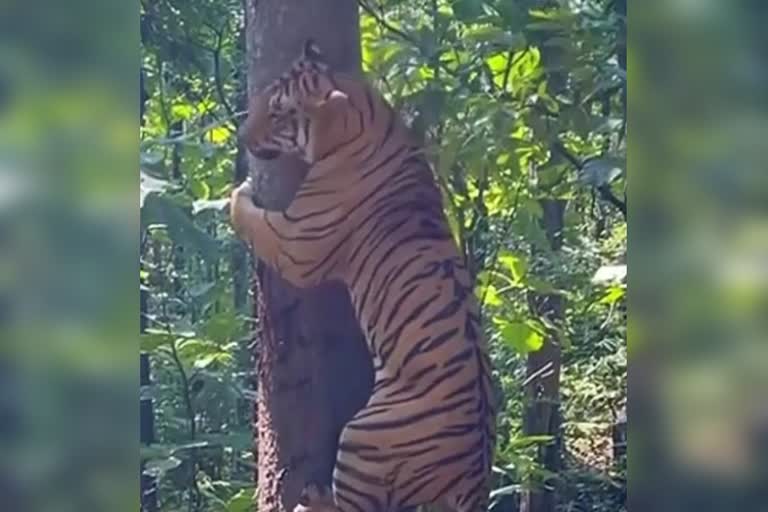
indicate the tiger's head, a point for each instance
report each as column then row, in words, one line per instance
column 281, row 116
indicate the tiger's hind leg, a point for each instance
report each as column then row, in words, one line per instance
column 316, row 499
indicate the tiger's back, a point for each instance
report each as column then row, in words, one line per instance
column 370, row 214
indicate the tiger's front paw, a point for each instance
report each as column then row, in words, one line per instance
column 315, row 499
column 240, row 206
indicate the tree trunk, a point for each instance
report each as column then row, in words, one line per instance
column 542, row 408
column 314, row 371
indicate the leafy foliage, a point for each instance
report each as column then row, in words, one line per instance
column 518, row 103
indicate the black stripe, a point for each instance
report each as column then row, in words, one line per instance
column 460, row 431
column 282, row 236
column 432, row 343
column 349, row 235
column 457, row 457
column 393, row 338
column 407, row 420
column 299, row 218
column 394, row 245
column 398, row 304
column 369, row 102
column 433, row 268
column 475, row 491
column 410, row 386
column 359, row 475
column 339, row 485
column 340, row 497
column 387, row 281
column 380, row 211
column 466, row 388
column 461, row 357
column 420, row 487
column 383, row 163
column 381, row 237
column 449, row 311
column 416, row 377
column 305, row 192
column 356, row 448
column 397, row 456
column 453, row 482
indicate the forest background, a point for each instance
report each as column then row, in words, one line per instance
column 522, row 107
column 69, row 231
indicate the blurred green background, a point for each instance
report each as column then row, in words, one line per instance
column 68, row 247
column 698, row 255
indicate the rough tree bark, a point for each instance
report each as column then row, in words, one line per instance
column 313, row 368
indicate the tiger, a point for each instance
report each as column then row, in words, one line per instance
column 369, row 213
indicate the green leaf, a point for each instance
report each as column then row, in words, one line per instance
column 152, row 341
column 200, row 189
column 243, row 501
column 521, row 336
column 219, row 135
column 160, row 209
column 521, row 442
column 202, row 353
column 182, row 111
column 490, row 296
column 223, row 327
column 515, row 264
column 467, row 10
column 614, row 294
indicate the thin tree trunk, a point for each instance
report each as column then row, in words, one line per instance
column 542, row 410
column 314, row 371
column 543, row 415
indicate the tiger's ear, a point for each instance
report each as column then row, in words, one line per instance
column 335, row 97
column 311, row 51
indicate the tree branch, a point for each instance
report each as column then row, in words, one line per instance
column 381, row 21
column 604, row 190
column 217, row 73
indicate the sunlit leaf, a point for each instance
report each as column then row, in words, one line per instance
column 200, row 189
column 613, row 295
column 219, row 135
column 182, row 111
column 515, row 264
column 210, row 204
column 520, row 336
column 610, row 274
column 243, row 501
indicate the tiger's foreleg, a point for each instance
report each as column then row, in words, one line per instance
column 269, row 234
